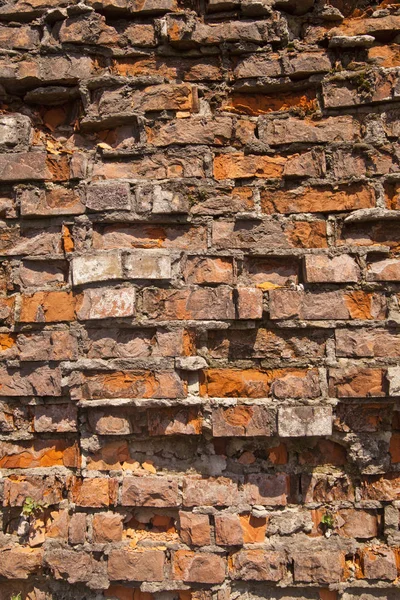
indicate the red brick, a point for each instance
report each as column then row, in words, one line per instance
column 20, row 562
column 288, row 304
column 220, row 491
column 150, row 491
column 319, row 268
column 383, row 343
column 96, row 492
column 319, row 567
column 238, row 166
column 345, row 198
column 253, row 383
column 244, row 420
column 47, row 307
column 206, row 303
column 194, row 529
column 198, row 567
column 267, row 490
column 132, row 384
column 203, row 270
column 356, row 382
column 136, row 565
column 258, row 565
column 107, row 527
column 379, row 563
column 44, row 453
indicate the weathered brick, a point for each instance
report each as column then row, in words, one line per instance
column 359, row 524
column 292, row 130
column 239, row 165
column 244, row 420
column 322, row 567
column 368, row 343
column 220, row 491
column 206, row 303
column 51, row 201
column 203, row 270
column 180, row 237
column 105, row 303
column 30, row 347
column 268, row 234
column 258, row 565
column 172, row 421
column 339, row 269
column 44, row 453
column 384, row 270
column 58, row 418
column 286, row 304
column 132, row 384
column 24, row 166
column 130, row 565
column 253, row 383
column 150, row 491
column 267, row 490
column 379, row 563
column 356, row 382
column 96, row 492
column 41, row 489
column 20, row 562
column 198, row 567
column 108, row 196
column 107, row 527
column 194, row 529
column 147, row 264
column 47, row 307
column 341, row 198
column 384, row 488
column 96, row 267
column 30, row 380
column 300, row 421
column 195, row 130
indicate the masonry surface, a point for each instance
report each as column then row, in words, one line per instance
column 199, row 300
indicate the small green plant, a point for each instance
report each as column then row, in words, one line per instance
column 328, row 520
column 16, row 596
column 32, row 507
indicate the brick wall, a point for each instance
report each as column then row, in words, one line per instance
column 199, row 300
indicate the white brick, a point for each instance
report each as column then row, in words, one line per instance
column 148, row 264
column 106, row 303
column 299, row 421
column 96, row 267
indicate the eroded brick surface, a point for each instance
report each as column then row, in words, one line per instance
column 199, row 300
